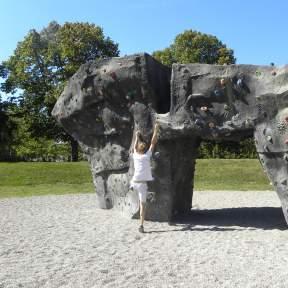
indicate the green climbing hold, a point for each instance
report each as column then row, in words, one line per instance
column 258, row 73
column 130, row 95
column 226, row 107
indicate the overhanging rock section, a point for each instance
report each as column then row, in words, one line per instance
column 107, row 101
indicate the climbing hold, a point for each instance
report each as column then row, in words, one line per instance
column 217, row 92
column 269, row 139
column 240, row 82
column 113, row 75
column 151, row 196
column 248, row 123
column 266, row 148
column 284, row 182
column 198, row 122
column 222, row 82
column 156, row 155
column 226, row 107
column 130, row 95
column 281, row 127
column 236, row 117
column 228, row 111
column 186, row 122
column 227, row 114
column 100, row 92
column 258, row 73
column 204, row 108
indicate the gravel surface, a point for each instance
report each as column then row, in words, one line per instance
column 231, row 239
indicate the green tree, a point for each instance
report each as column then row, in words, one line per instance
column 7, row 130
column 195, row 47
column 40, row 67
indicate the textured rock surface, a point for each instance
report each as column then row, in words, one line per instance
column 106, row 101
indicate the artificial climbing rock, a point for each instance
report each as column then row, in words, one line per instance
column 106, row 101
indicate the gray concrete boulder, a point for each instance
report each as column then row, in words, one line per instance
column 106, row 101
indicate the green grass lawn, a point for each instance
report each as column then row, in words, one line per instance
column 230, row 174
column 41, row 178
column 26, row 179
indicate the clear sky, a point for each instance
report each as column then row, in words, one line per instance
column 255, row 29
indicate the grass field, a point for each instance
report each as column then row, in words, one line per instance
column 26, row 179
column 230, row 174
column 40, row 178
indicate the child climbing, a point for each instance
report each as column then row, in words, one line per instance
column 142, row 170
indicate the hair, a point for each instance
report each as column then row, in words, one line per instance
column 141, row 147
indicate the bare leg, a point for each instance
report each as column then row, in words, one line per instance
column 142, row 213
column 142, row 216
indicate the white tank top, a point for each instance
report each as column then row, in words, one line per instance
column 142, row 166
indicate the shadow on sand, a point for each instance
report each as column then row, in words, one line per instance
column 230, row 219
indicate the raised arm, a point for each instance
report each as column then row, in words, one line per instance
column 136, row 141
column 154, row 137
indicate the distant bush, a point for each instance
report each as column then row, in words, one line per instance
column 228, row 150
column 42, row 150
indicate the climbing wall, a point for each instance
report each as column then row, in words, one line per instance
column 106, row 101
column 102, row 106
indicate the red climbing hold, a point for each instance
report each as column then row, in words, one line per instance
column 113, row 75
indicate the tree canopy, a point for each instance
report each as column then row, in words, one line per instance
column 195, row 47
column 41, row 65
column 7, row 129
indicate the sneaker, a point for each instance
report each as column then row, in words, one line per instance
column 141, row 229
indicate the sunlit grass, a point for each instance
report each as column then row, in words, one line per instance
column 27, row 179
column 41, row 178
column 230, row 174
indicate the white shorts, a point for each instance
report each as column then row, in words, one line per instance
column 142, row 189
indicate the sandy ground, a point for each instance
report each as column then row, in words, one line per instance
column 231, row 239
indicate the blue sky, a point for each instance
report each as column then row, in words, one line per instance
column 255, row 30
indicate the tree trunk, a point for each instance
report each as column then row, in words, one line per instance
column 74, row 150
